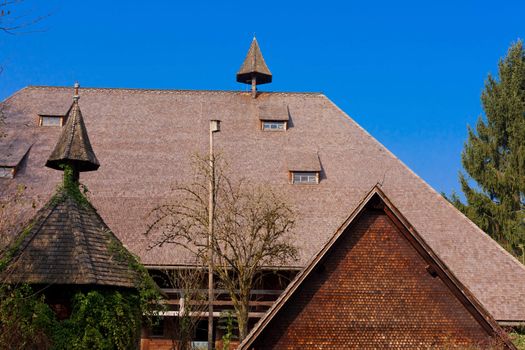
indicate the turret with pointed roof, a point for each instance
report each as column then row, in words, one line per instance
column 254, row 70
column 73, row 146
column 67, row 242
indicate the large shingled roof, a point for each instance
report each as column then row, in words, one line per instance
column 145, row 140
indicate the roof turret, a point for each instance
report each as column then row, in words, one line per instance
column 254, row 70
column 73, row 147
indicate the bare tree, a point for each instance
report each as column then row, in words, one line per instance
column 252, row 230
column 13, row 20
column 188, row 282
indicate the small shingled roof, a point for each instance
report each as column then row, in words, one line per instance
column 73, row 146
column 254, row 66
column 68, row 243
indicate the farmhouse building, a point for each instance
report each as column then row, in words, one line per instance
column 300, row 144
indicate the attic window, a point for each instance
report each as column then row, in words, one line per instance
column 305, row 177
column 7, row 172
column 273, row 117
column 274, row 125
column 51, row 120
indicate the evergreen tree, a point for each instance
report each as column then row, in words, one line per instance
column 494, row 157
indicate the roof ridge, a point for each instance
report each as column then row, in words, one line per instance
column 173, row 91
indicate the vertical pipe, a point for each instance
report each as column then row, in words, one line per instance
column 210, row 241
column 254, row 86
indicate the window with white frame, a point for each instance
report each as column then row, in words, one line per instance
column 274, row 125
column 305, row 177
column 51, row 120
column 7, row 172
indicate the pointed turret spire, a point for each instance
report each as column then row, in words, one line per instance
column 73, row 147
column 254, row 70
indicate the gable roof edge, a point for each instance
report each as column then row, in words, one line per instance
column 301, row 276
column 490, row 323
column 437, row 194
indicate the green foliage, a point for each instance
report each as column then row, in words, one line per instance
column 101, row 320
column 518, row 337
column 150, row 298
column 228, row 323
column 72, row 187
column 494, row 157
column 26, row 322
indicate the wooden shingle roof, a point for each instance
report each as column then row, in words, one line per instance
column 73, row 146
column 376, row 284
column 68, row 243
column 254, row 66
column 145, row 140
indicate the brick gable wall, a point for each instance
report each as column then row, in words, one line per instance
column 372, row 290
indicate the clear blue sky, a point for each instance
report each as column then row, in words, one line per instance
column 410, row 72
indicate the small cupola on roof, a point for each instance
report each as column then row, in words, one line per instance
column 254, row 70
column 73, row 147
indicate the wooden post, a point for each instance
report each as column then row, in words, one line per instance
column 210, row 248
column 254, row 86
column 214, row 127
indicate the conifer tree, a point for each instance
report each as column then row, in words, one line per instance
column 494, row 156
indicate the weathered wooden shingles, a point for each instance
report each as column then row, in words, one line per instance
column 254, row 66
column 371, row 288
column 69, row 244
column 145, row 139
column 74, row 145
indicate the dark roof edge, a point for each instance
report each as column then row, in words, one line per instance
column 169, row 90
column 310, row 266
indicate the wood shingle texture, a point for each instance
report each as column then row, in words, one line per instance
column 74, row 146
column 145, row 140
column 254, row 66
column 68, row 243
column 375, row 285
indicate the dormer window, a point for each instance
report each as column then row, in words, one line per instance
column 12, row 156
column 303, row 167
column 273, row 117
column 51, row 120
column 7, row 172
column 305, row 177
column 274, row 125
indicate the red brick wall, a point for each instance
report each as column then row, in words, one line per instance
column 372, row 291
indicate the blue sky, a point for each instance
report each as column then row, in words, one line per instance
column 410, row 72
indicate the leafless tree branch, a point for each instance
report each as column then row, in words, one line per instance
column 252, row 229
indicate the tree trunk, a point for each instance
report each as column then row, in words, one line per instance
column 242, row 316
